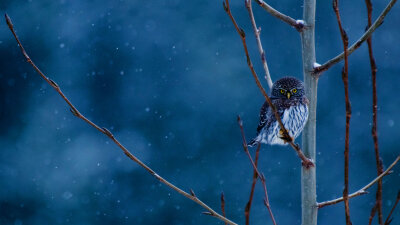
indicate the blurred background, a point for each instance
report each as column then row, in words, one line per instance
column 168, row 78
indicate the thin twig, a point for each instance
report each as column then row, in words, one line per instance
column 223, row 205
column 253, row 185
column 266, row 200
column 305, row 161
column 287, row 19
column 103, row 130
column 372, row 214
column 364, row 189
column 345, row 78
column 388, row 219
column 318, row 70
column 261, row 176
column 348, row 114
column 374, row 131
column 259, row 45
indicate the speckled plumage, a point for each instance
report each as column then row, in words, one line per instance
column 288, row 97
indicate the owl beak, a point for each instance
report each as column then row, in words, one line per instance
column 288, row 95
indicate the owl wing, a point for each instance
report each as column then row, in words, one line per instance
column 267, row 117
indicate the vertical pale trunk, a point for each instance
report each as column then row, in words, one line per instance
column 308, row 179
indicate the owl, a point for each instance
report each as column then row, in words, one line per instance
column 289, row 99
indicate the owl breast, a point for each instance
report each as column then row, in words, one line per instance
column 294, row 119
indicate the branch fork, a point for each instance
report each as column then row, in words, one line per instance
column 256, row 173
column 320, row 69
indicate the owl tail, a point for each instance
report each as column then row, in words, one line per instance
column 253, row 142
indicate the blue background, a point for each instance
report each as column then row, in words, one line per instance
column 168, row 79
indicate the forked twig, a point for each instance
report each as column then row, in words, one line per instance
column 261, row 176
column 318, row 70
column 75, row 111
column 374, row 132
column 345, row 78
column 364, row 189
column 259, row 45
column 299, row 26
column 305, row 161
column 253, row 185
column 388, row 218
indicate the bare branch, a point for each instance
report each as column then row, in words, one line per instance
column 299, row 26
column 261, row 176
column 73, row 109
column 364, row 189
column 372, row 214
column 259, row 45
column 305, row 161
column 253, row 185
column 223, row 205
column 388, row 219
column 266, row 200
column 345, row 78
column 318, row 70
column 379, row 168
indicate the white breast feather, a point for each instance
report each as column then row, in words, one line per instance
column 294, row 118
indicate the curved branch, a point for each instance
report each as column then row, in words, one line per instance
column 297, row 24
column 364, row 189
column 305, row 161
column 318, row 70
column 103, row 130
column 259, row 45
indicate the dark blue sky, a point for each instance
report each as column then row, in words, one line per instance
column 168, row 78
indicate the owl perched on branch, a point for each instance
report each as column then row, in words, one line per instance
column 289, row 99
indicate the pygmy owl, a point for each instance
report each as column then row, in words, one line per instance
column 289, row 99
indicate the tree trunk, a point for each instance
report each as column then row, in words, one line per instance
column 308, row 179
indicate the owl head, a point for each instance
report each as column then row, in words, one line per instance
column 288, row 88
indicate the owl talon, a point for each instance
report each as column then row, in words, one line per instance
column 286, row 138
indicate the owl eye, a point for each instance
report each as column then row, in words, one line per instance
column 282, row 91
column 294, row 90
